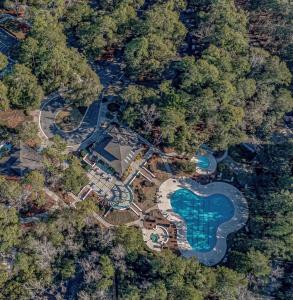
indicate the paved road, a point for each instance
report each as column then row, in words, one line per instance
column 49, row 111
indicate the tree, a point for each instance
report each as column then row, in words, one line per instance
column 54, row 155
column 163, row 20
column 67, row 269
column 156, row 291
column 35, row 182
column 148, row 55
column 156, row 40
column 23, row 88
column 55, row 65
column 132, row 94
column 226, row 26
column 228, row 284
column 74, row 178
column 130, row 238
column 257, row 264
column 10, row 229
column 107, row 272
column 173, row 120
column 3, row 61
column 29, row 133
column 83, row 84
column 10, row 192
column 4, row 101
column 76, row 14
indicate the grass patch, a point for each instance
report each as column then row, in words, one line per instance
column 119, row 217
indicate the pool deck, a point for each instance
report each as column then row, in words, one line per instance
column 239, row 219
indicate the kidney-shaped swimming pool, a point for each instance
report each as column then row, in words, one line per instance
column 202, row 215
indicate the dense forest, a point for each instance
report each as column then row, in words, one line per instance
column 216, row 72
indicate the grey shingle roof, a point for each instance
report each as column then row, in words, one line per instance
column 117, row 147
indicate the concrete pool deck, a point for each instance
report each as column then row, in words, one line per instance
column 238, row 220
column 163, row 237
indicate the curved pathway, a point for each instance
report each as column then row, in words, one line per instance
column 238, row 220
column 47, row 116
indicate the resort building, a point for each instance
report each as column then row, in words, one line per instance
column 117, row 147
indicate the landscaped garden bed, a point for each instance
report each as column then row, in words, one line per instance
column 144, row 192
column 156, row 165
column 69, row 118
column 182, row 167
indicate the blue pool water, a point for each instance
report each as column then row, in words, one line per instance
column 203, row 162
column 202, row 215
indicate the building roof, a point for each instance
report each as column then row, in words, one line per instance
column 118, row 147
column 25, row 159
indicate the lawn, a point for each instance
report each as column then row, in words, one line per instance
column 157, row 167
column 119, row 217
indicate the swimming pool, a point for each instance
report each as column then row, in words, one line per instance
column 202, row 216
column 203, row 162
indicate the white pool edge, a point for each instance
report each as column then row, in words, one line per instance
column 238, row 220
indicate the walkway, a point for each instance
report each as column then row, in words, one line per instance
column 48, row 127
column 103, row 221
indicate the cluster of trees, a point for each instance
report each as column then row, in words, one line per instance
column 271, row 27
column 19, row 88
column 102, row 25
column 150, row 40
column 269, row 240
column 231, row 91
column 57, row 66
column 69, row 256
column 46, row 64
column 155, row 41
column 24, row 194
column 228, row 90
column 61, row 169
